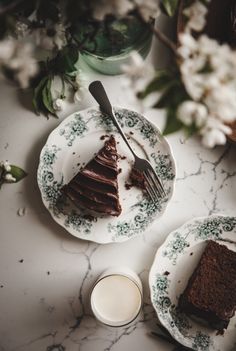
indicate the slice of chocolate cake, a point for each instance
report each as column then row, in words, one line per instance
column 211, row 290
column 95, row 187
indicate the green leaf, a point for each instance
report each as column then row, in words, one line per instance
column 172, row 123
column 47, row 97
column 161, row 81
column 170, row 6
column 167, row 98
column 37, row 99
column 172, row 96
column 18, row 173
column 66, row 59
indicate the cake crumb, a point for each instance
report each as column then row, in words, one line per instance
column 119, row 170
column 21, row 211
column 123, row 157
column 166, row 273
column 128, row 186
column 21, row 261
column 191, row 253
column 73, row 153
column 48, row 273
column 131, row 133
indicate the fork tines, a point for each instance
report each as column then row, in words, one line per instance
column 154, row 187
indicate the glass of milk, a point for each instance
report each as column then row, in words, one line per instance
column 117, row 296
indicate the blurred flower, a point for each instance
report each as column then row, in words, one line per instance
column 60, row 36
column 17, row 57
column 21, row 29
column 148, row 8
column 209, row 74
column 7, row 48
column 81, row 83
column 22, row 63
column 137, row 71
column 9, row 178
column 196, row 14
column 5, row 165
column 58, row 104
column 191, row 112
column 214, row 133
column 50, row 37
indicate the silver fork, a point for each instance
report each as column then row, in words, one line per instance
column 153, row 184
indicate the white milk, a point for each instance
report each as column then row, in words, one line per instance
column 116, row 300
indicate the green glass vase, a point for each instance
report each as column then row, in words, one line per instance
column 107, row 45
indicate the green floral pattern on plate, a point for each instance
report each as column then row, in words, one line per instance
column 175, row 253
column 52, row 174
column 76, row 127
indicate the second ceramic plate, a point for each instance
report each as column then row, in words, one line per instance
column 174, row 263
column 74, row 142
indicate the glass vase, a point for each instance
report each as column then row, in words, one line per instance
column 107, row 45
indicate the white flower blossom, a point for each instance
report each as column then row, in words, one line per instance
column 214, row 132
column 21, row 29
column 208, row 72
column 213, row 137
column 137, row 71
column 7, row 48
column 222, row 102
column 194, row 85
column 190, row 112
column 9, row 178
column 6, row 165
column 58, row 104
column 49, row 38
column 117, row 8
column 81, row 83
column 196, row 14
column 60, row 36
column 148, row 8
column 22, row 63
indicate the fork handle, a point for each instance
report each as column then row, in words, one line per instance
column 97, row 90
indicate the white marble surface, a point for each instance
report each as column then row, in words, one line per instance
column 46, row 274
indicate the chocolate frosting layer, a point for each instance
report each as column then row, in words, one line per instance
column 95, row 187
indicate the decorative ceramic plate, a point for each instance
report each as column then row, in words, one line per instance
column 73, row 143
column 174, row 263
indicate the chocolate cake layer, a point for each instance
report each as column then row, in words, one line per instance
column 95, row 187
column 211, row 290
column 137, row 179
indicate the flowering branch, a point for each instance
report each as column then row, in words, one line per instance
column 161, row 36
column 199, row 95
